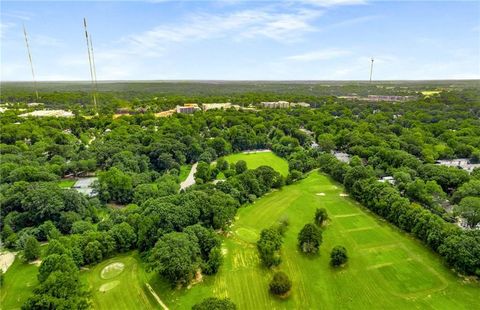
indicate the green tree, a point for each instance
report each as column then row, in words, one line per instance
column 280, row 284
column 176, row 257
column 115, row 185
column 240, row 166
column 31, row 250
column 321, row 216
column 469, row 208
column 338, row 256
column 269, row 246
column 310, row 238
column 93, row 252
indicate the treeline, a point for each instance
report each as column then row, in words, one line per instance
column 460, row 249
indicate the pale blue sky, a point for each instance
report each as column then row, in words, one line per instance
column 243, row 40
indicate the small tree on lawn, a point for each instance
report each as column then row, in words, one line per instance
column 280, row 284
column 213, row 303
column 321, row 216
column 31, row 250
column 338, row 256
column 310, row 238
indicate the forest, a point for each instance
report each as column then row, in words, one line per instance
column 138, row 160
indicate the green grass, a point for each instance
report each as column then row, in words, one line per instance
column 387, row 269
column 66, row 183
column 256, row 160
column 19, row 282
column 120, row 289
column 184, row 171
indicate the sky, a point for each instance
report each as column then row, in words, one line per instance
column 242, row 40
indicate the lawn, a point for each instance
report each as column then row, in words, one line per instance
column 18, row 284
column 255, row 160
column 428, row 93
column 120, row 281
column 184, row 171
column 66, row 183
column 388, row 269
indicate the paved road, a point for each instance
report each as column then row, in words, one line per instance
column 190, row 180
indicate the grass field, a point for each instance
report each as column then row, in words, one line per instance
column 66, row 183
column 388, row 269
column 19, row 282
column 255, row 160
column 120, row 283
column 184, row 171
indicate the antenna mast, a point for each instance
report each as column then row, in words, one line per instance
column 90, row 50
column 31, row 62
column 93, row 65
column 371, row 69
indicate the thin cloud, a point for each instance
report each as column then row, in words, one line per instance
column 331, row 3
column 320, row 55
column 246, row 24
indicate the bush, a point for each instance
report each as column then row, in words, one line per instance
column 321, row 216
column 31, row 251
column 280, row 284
column 338, row 256
column 310, row 238
column 213, row 303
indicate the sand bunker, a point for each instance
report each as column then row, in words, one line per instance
column 320, row 194
column 343, row 195
column 108, row 286
column 112, row 270
column 6, row 260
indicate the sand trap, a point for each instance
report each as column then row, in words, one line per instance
column 343, row 195
column 6, row 260
column 320, row 194
column 108, row 286
column 37, row 262
column 112, row 270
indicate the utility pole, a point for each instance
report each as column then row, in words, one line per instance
column 31, row 62
column 371, row 69
column 90, row 50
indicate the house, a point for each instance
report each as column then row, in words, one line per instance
column 276, row 104
column 387, row 179
column 188, row 108
column 48, row 113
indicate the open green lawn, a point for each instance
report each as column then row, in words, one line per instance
column 184, row 171
column 66, row 183
column 114, row 287
column 19, row 282
column 255, row 160
column 388, row 269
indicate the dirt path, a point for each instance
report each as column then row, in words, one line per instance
column 164, row 306
column 190, row 180
column 6, row 260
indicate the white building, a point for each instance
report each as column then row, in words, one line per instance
column 48, row 113
column 216, row 106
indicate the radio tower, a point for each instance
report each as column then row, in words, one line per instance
column 31, row 62
column 91, row 66
column 371, row 69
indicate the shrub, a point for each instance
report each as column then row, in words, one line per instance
column 338, row 256
column 280, row 284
